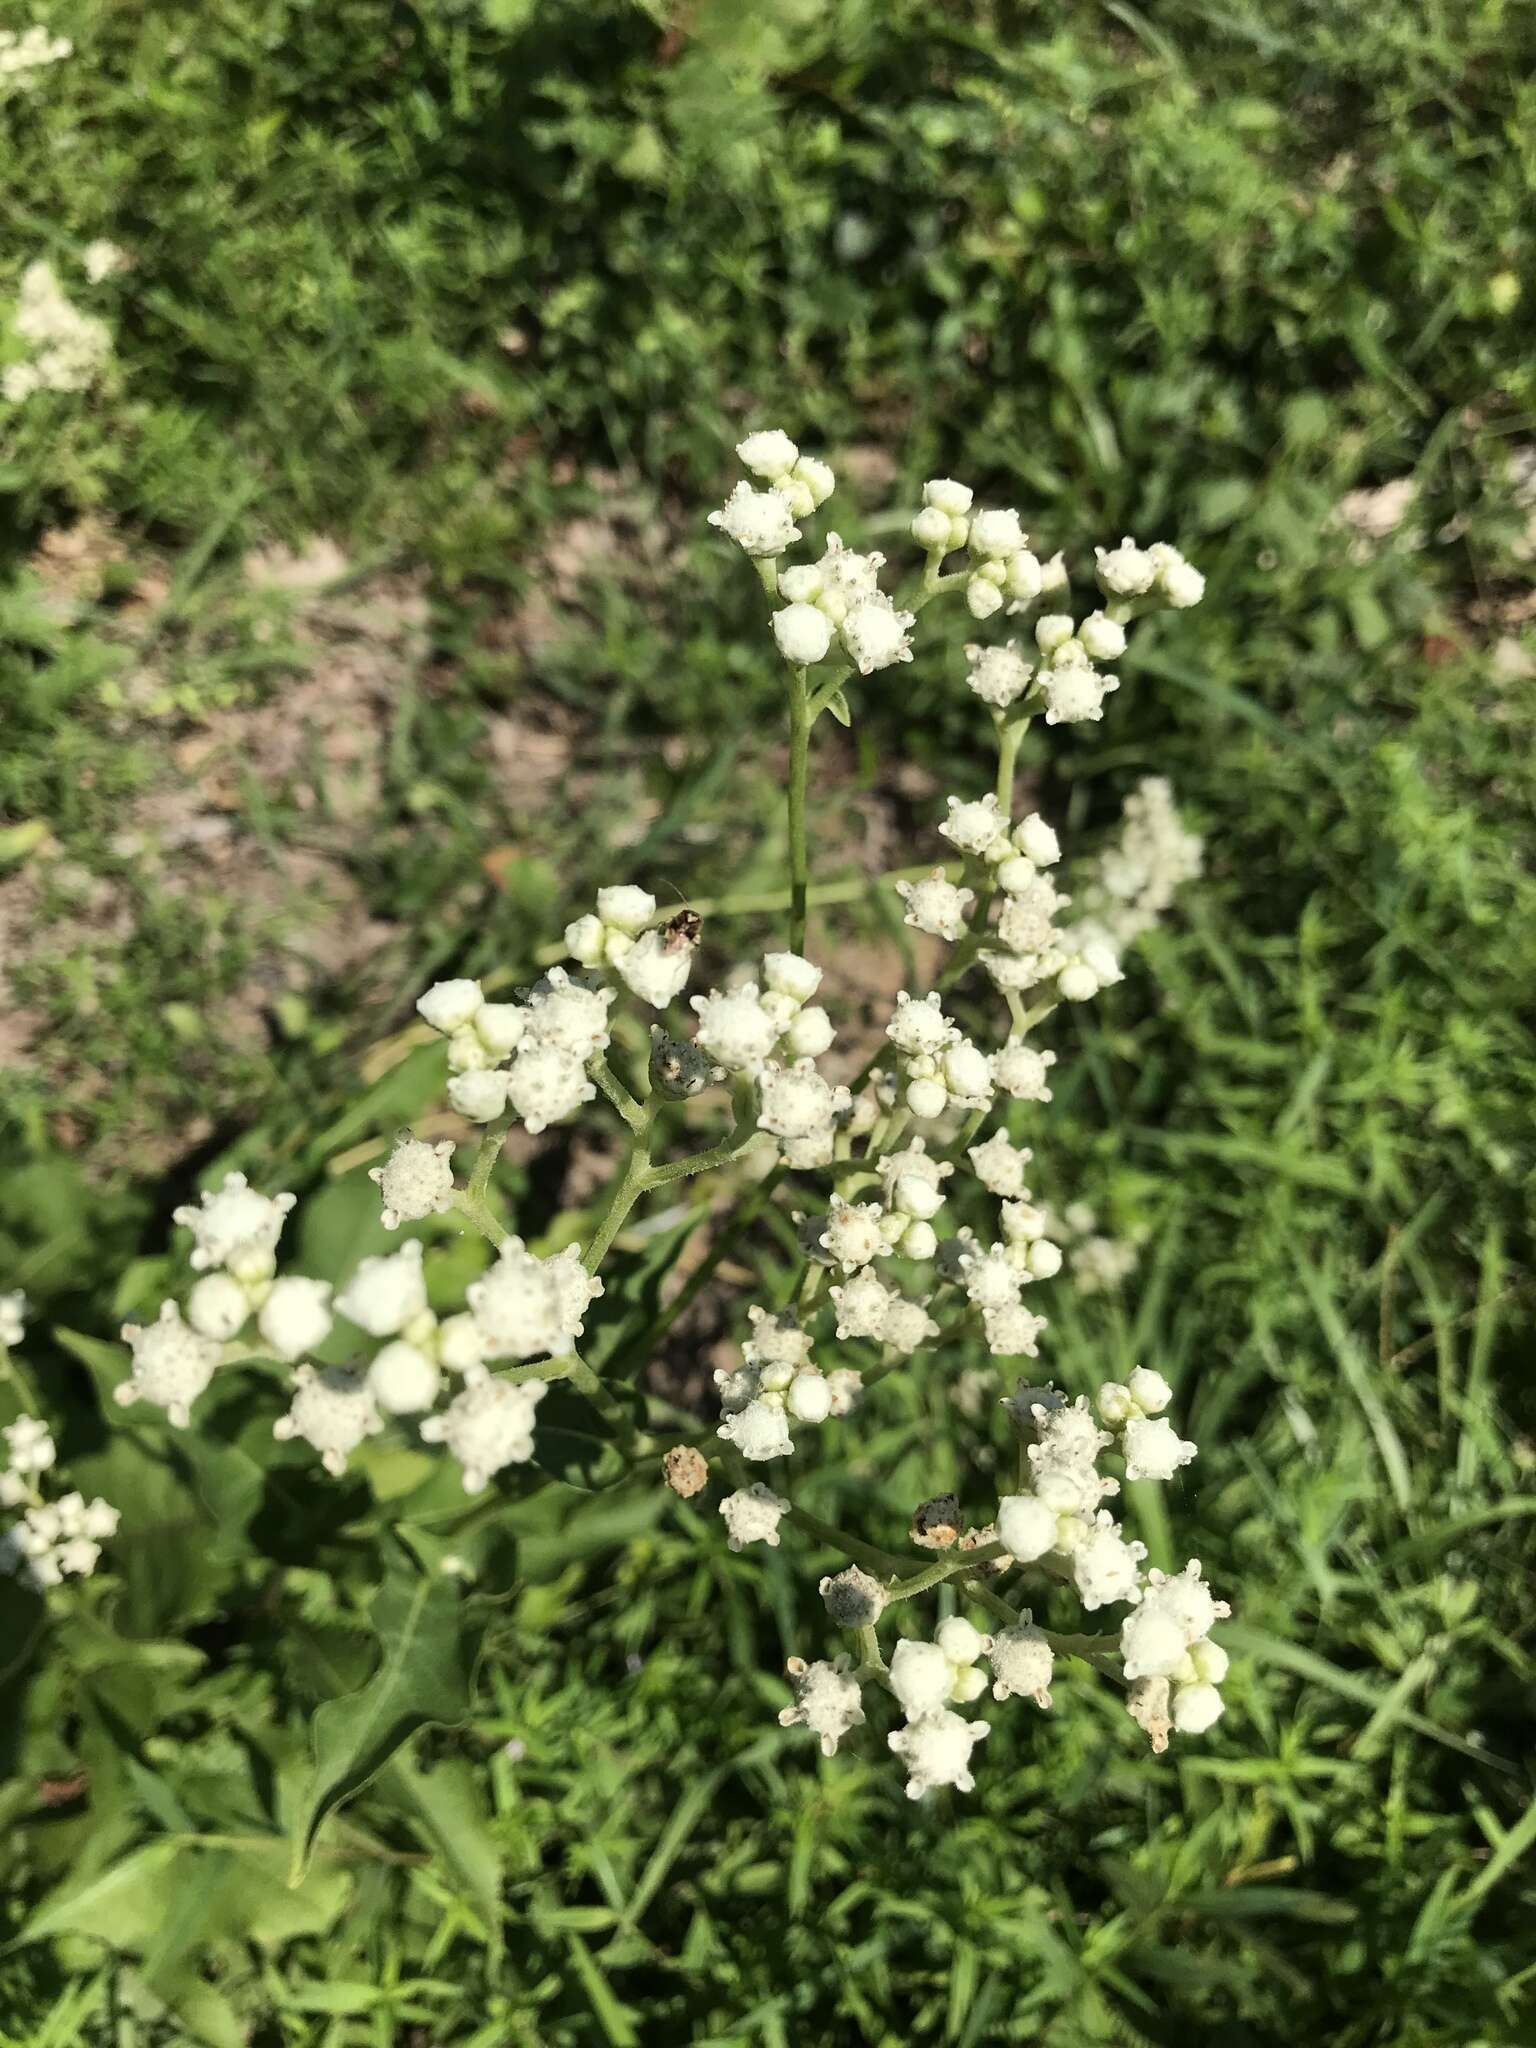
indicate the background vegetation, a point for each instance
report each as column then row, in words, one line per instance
column 478, row 296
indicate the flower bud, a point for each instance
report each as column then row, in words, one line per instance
column 930, row 529
column 803, row 634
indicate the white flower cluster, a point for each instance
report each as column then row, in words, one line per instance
column 522, row 1307
column 936, row 1743
column 1174, row 1668
column 13, row 1316
column 653, row 962
column 26, row 53
column 53, row 1540
column 1171, row 1666
column 379, row 1355
column 547, row 1039
column 776, row 1384
column 67, row 349
column 1002, row 569
column 762, row 523
column 837, row 597
column 1132, row 884
column 753, row 1029
column 1099, row 1264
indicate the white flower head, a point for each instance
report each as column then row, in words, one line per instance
column 936, row 905
column 1026, row 1527
column 528, row 1307
column 403, row 1380
column 937, row 1751
column 13, row 1312
column 1020, row 1071
column 656, row 967
column 735, row 1029
column 1196, row 1708
column 809, row 1032
column 845, row 1385
column 1102, row 637
column 759, row 1430
column 234, row 1225
column 334, row 1411
column 481, row 1096
column 949, row 497
column 1179, row 583
column 1105, row 1567
column 802, row 633
column 1125, row 571
column 768, row 454
column 29, row 1443
column 172, row 1365
column 977, row 828
column 218, row 1307
column 1154, row 1449
column 568, row 1015
column 826, row 1701
column 385, row 1293
column 996, row 536
column 488, row 1426
column 998, row 675
column 776, row 1340
column 1000, row 1165
column 919, row 1026
column 875, row 635
column 1022, row 1662
column 927, row 1676
column 1013, row 1331
column 448, row 1006
column 791, row 975
column 1176, row 1611
column 989, row 1278
column 459, row 1343
column 625, row 907
column 760, row 522
column 1075, row 694
column 907, row 1327
column 415, row 1181
column 295, row 1317
column 844, row 578
column 795, row 1102
column 851, row 1233
column 545, row 1085
column 863, row 1305
column 752, row 1515
column 967, row 1074
column 1149, row 1390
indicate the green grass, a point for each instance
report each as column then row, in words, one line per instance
column 1196, row 271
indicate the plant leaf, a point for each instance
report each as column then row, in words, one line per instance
column 420, row 1678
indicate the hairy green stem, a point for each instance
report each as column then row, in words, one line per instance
column 866, row 1554
column 740, row 1141
column 626, row 1188
column 945, row 1568
column 871, row 1661
column 631, row 1111
column 799, row 763
column 473, row 1208
column 750, row 903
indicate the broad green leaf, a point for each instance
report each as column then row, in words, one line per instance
column 574, row 1441
column 448, row 1804
column 420, row 1678
column 118, row 1906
